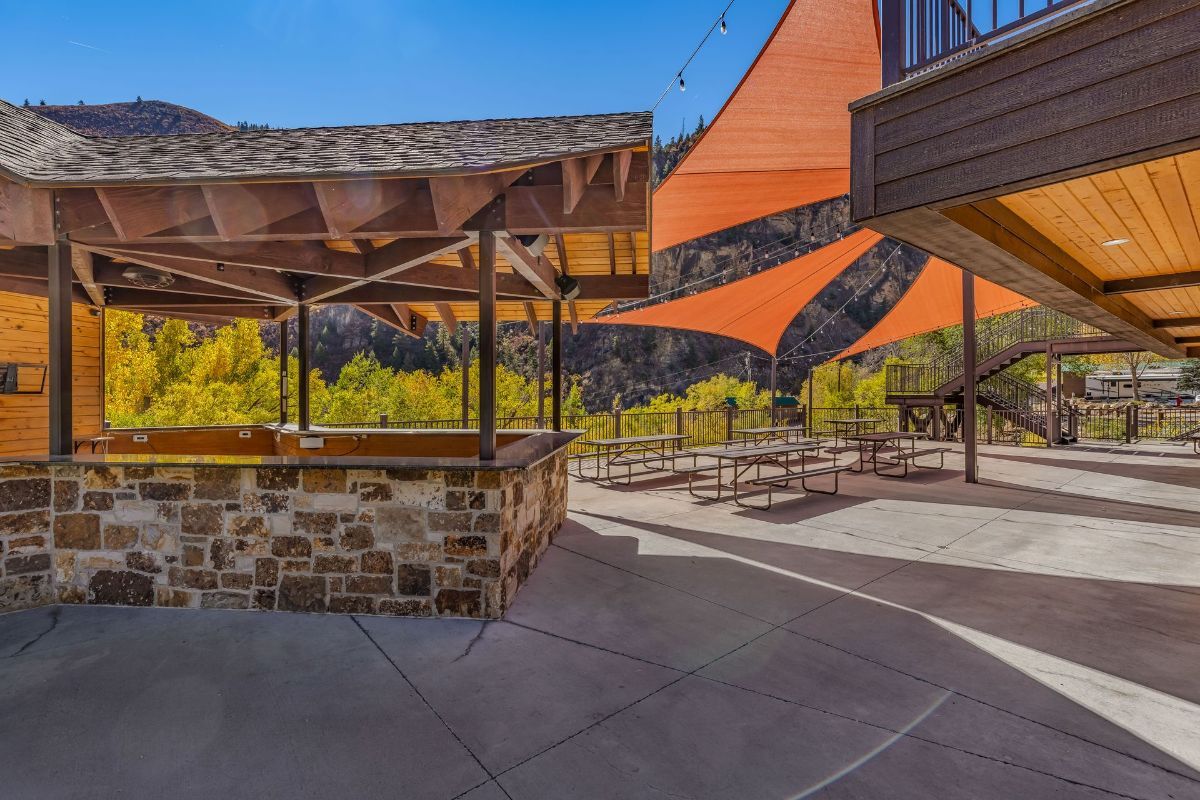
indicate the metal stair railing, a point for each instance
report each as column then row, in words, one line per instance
column 993, row 336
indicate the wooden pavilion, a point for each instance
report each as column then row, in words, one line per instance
column 488, row 221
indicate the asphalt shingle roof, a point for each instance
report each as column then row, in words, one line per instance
column 41, row 151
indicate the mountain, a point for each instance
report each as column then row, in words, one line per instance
column 139, row 118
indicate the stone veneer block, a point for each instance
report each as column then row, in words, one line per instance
column 411, row 542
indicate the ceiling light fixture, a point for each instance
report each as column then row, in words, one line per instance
column 1114, row 242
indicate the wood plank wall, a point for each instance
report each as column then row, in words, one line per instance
column 24, row 337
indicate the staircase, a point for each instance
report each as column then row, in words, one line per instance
column 1000, row 342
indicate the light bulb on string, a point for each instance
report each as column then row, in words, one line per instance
column 724, row 27
column 682, row 85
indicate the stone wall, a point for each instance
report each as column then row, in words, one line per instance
column 411, row 542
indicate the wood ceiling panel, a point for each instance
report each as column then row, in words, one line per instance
column 1155, row 205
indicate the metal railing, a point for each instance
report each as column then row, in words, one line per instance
column 920, row 34
column 993, row 336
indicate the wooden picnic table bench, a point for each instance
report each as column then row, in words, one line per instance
column 784, row 433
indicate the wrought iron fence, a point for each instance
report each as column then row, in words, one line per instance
column 919, row 34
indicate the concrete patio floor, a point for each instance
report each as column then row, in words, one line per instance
column 1037, row 636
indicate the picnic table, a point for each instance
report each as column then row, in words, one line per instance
column 871, row 445
column 783, row 433
column 743, row 458
column 855, row 426
column 626, row 451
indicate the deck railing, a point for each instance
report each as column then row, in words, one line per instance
column 920, row 34
column 992, row 337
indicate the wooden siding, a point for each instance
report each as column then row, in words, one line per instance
column 1112, row 88
column 24, row 334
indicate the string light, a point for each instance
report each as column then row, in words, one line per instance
column 719, row 22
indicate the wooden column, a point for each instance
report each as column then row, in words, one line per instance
column 487, row 345
column 892, row 30
column 970, row 387
column 283, row 372
column 541, row 368
column 60, row 272
column 556, row 365
column 465, row 360
column 302, row 411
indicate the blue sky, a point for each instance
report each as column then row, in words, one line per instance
column 292, row 63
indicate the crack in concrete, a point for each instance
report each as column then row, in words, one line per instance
column 471, row 644
column 55, row 614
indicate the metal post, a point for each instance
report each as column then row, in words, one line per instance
column 465, row 361
column 774, row 366
column 302, row 410
column 487, row 345
column 811, row 411
column 1058, row 397
column 59, row 295
column 283, row 372
column 989, row 425
column 1049, row 426
column 970, row 387
column 556, row 365
column 541, row 356
column 679, row 421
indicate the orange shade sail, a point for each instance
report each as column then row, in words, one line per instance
column 783, row 138
column 758, row 309
column 935, row 301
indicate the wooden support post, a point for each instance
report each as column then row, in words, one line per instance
column 59, row 295
column 302, row 410
column 892, row 30
column 678, row 421
column 465, row 361
column 556, row 365
column 541, row 358
column 989, row 425
column 970, row 381
column 1058, row 398
column 283, row 372
column 487, row 345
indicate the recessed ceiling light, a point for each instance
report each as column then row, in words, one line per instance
column 1115, row 242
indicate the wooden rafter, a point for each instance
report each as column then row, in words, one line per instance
column 108, row 273
column 26, row 215
column 621, row 160
column 612, row 254
column 538, row 209
column 446, row 314
column 303, row 257
column 387, row 262
column 81, row 262
column 577, row 173
column 531, row 317
column 348, row 205
column 387, row 314
column 240, row 209
column 457, row 199
column 139, row 211
column 1153, row 283
column 536, row 269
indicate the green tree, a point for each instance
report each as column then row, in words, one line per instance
column 1189, row 377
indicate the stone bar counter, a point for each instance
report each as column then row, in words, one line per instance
column 445, row 535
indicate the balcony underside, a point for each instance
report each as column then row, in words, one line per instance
column 1020, row 164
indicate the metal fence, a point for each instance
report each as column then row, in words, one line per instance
column 993, row 426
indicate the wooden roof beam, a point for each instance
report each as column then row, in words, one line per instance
column 26, row 215
column 410, row 321
column 1153, row 283
column 387, row 314
column 538, row 209
column 386, row 262
column 265, row 283
column 131, row 296
column 1177, row 322
column 108, row 273
column 39, row 287
column 536, row 269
